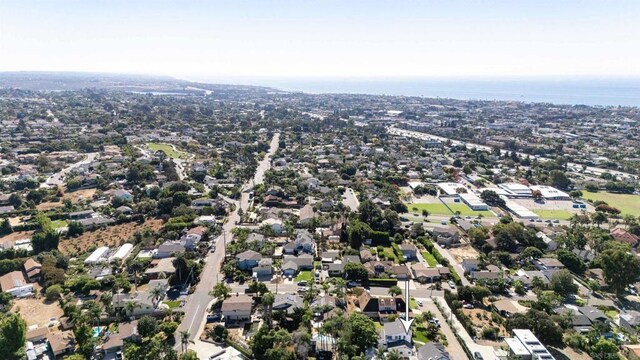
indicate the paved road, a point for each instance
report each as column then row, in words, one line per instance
column 350, row 199
column 57, row 179
column 197, row 303
column 572, row 166
column 457, row 267
column 453, row 346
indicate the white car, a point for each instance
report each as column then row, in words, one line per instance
column 420, row 303
column 452, row 284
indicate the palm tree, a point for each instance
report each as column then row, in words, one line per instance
column 131, row 306
column 339, row 288
column 267, row 306
column 156, row 294
column 184, row 339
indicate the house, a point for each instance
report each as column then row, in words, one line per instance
column 366, row 255
column 376, row 268
column 287, row 302
column 144, row 303
column 485, row 275
column 169, row 249
column 160, row 266
column 548, row 264
column 79, row 215
column 32, row 268
column 446, row 236
column 114, row 342
column 409, row 251
column 290, row 268
column 330, row 256
column 507, row 308
column 335, row 269
column 380, row 308
column 305, row 242
column 162, row 284
column 276, row 225
column 37, row 334
column 61, row 342
column 551, row 244
column 470, row 265
column 423, row 273
column 193, row 236
column 402, row 272
column 124, row 210
column 15, row 284
column 629, row 319
column 595, row 315
column 526, row 346
column 433, row 351
column 123, row 195
column 247, row 260
column 307, row 214
column 394, row 337
column 624, row 236
column 304, row 261
column 237, row 309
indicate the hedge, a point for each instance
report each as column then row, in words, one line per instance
column 383, row 282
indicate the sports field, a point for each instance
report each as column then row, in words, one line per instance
column 167, row 149
column 441, row 209
column 553, row 214
column 626, row 203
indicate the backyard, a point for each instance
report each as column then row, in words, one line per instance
column 626, row 203
column 305, row 275
column 429, row 258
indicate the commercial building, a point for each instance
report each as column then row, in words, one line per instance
column 550, row 193
column 516, row 190
column 473, row 201
column 520, row 211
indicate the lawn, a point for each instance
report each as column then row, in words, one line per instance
column 167, row 149
column 626, row 203
column 389, row 254
column 429, row 258
column 413, row 304
column 306, row 275
column 553, row 214
column 420, row 334
column 441, row 209
column 172, row 304
column 56, row 224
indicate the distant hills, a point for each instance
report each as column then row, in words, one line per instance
column 61, row 81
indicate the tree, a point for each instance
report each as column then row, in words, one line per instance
column 492, row 198
column 188, row 355
column 620, row 268
column 359, row 333
column 5, row 227
column 267, row 303
column 540, row 323
column 395, row 290
column 221, row 291
column 184, row 339
column 598, row 218
column 147, row 326
column 53, row 292
column 531, row 252
column 156, row 294
column 603, row 350
column 559, row 179
column 355, row 271
column 562, row 283
column 13, row 333
column 571, row 261
column 395, row 354
column 74, row 229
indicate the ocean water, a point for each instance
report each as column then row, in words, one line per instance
column 605, row 92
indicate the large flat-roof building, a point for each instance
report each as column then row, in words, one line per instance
column 520, row 211
column 516, row 190
column 473, row 201
column 526, row 346
column 550, row 193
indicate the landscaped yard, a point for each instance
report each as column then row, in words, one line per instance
column 168, row 149
column 626, row 203
column 389, row 254
column 172, row 304
column 429, row 258
column 56, row 224
column 441, row 209
column 554, row 214
column 306, row 275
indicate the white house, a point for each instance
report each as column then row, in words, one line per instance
column 15, row 284
column 551, row 244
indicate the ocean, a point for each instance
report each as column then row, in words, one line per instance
column 605, row 92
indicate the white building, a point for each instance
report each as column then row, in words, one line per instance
column 516, row 190
column 550, row 193
column 520, row 211
column 473, row 201
column 122, row 252
column 15, row 284
column 98, row 255
column 526, row 346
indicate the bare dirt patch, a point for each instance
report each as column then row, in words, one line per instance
column 481, row 318
column 37, row 311
column 14, row 236
column 74, row 196
column 464, row 252
column 111, row 236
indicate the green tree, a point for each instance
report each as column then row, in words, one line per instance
column 147, row 326
column 395, row 290
column 74, row 229
column 562, row 283
column 5, row 227
column 603, row 350
column 221, row 291
column 188, row 355
column 620, row 268
column 53, row 292
column 358, row 335
column 355, row 271
column 13, row 333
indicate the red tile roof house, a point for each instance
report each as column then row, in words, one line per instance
column 624, row 236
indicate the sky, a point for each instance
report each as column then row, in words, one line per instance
column 238, row 39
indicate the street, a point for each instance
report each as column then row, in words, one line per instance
column 197, row 303
column 57, row 179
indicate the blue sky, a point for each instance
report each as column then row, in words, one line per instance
column 323, row 38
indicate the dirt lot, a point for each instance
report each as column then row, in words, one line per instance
column 11, row 238
column 36, row 311
column 484, row 320
column 464, row 252
column 74, row 196
column 110, row 236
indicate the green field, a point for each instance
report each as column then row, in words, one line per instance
column 626, row 203
column 56, row 224
column 168, row 149
column 441, row 209
column 554, row 214
column 306, row 275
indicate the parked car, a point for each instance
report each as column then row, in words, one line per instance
column 452, row 284
column 468, row 306
column 302, row 283
column 435, row 322
column 477, row 356
column 353, row 284
column 420, row 303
